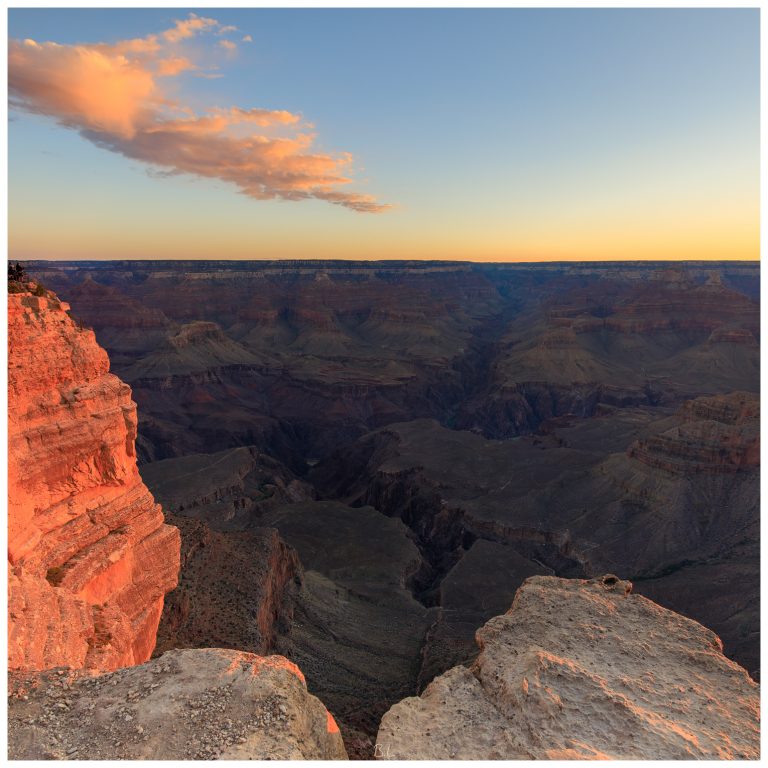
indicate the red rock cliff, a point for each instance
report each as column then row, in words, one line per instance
column 89, row 557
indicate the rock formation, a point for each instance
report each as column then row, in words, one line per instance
column 233, row 589
column 186, row 705
column 708, row 435
column 304, row 356
column 229, row 490
column 325, row 397
column 89, row 557
column 582, row 670
column 572, row 503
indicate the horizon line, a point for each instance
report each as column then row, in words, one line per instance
column 320, row 261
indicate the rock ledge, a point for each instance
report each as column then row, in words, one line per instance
column 583, row 669
column 200, row 704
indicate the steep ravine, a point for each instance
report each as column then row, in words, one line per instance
column 90, row 563
column 444, row 535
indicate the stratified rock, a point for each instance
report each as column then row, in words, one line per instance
column 192, row 704
column 89, row 558
column 233, row 589
column 229, row 490
column 194, row 348
column 583, row 669
column 573, row 501
column 709, row 435
column 125, row 326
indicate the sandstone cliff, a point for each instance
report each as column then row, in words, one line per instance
column 89, row 557
column 192, row 704
column 583, row 669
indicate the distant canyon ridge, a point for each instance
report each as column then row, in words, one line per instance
column 367, row 459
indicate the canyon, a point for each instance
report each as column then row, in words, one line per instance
column 365, row 462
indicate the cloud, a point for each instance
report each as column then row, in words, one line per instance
column 115, row 96
column 228, row 45
column 189, row 27
column 174, row 65
column 82, row 86
column 247, row 39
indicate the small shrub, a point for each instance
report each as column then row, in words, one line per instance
column 16, row 273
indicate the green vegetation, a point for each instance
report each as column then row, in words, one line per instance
column 18, row 281
column 17, row 276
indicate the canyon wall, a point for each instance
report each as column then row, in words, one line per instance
column 509, row 420
column 89, row 556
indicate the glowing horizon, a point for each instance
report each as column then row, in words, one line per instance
column 484, row 135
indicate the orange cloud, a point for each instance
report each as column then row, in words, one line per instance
column 81, row 86
column 228, row 45
column 189, row 27
column 174, row 65
column 110, row 93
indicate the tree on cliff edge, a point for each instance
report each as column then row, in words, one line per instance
column 17, row 276
column 16, row 272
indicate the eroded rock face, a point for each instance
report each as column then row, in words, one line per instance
column 709, row 435
column 576, row 502
column 232, row 590
column 304, row 356
column 192, row 704
column 89, row 557
column 583, row 669
column 229, row 490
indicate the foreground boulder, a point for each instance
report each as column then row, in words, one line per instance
column 192, row 704
column 89, row 556
column 583, row 669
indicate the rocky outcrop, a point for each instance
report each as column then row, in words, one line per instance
column 572, row 503
column 583, row 669
column 233, row 589
column 710, row 435
column 193, row 705
column 89, row 556
column 229, row 490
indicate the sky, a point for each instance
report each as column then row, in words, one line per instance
column 484, row 135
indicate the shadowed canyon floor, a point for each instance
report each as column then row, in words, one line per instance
column 367, row 460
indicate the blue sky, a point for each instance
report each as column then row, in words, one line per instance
column 502, row 134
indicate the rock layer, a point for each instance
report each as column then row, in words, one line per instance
column 573, row 502
column 89, row 557
column 583, row 669
column 710, row 435
column 232, row 589
column 192, row 704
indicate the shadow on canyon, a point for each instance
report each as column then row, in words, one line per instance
column 366, row 459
